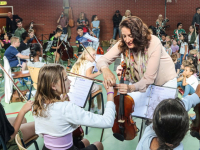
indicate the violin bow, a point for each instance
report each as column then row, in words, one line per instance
column 13, row 82
column 74, row 74
column 56, row 51
column 88, row 52
column 63, row 39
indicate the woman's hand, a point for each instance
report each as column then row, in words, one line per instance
column 124, row 88
column 27, row 107
column 109, row 77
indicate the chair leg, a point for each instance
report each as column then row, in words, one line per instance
column 90, row 103
column 30, row 90
column 36, row 145
column 102, row 100
column 101, row 135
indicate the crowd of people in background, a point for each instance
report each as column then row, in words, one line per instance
column 179, row 45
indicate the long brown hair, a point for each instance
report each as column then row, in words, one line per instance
column 140, row 33
column 49, row 75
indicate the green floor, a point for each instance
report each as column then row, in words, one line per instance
column 109, row 142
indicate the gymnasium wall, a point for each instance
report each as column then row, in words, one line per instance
column 48, row 11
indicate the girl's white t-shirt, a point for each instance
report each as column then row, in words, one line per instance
column 182, row 48
column 192, row 80
column 84, row 66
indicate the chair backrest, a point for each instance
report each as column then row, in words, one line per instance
column 19, row 142
column 8, row 83
column 2, row 143
column 34, row 72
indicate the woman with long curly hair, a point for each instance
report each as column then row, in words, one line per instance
column 146, row 59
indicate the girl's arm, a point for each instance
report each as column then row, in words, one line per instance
column 180, row 79
column 90, row 74
column 186, row 48
column 20, row 117
column 92, row 26
column 184, row 81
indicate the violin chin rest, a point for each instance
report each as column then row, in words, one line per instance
column 118, row 136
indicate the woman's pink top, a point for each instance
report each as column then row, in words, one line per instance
column 58, row 143
column 159, row 70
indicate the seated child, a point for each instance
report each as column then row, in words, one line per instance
column 184, row 63
column 174, row 47
column 35, row 54
column 56, row 117
column 81, row 39
column 168, row 38
column 176, row 63
column 193, row 60
column 12, row 54
column 188, row 82
column 6, row 42
column 170, row 124
column 163, row 41
column 84, row 66
column 168, row 47
column 55, row 45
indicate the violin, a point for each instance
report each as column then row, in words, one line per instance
column 124, row 127
column 195, row 126
column 99, row 49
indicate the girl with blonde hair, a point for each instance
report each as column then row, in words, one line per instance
column 56, row 117
column 84, row 66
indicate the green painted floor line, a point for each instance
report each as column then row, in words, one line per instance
column 94, row 134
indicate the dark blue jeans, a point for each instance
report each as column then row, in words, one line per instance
column 188, row 89
column 115, row 31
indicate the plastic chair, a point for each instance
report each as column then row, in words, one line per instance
column 23, row 146
column 34, row 72
column 92, row 96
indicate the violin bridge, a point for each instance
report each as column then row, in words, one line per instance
column 121, row 121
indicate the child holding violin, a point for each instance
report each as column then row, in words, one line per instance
column 55, row 45
column 84, row 66
column 170, row 124
column 56, row 117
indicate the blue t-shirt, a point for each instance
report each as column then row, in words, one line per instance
column 83, row 40
column 11, row 53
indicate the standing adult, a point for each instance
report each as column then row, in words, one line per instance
column 116, row 21
column 192, row 36
column 127, row 14
column 146, row 59
column 63, row 21
column 196, row 18
column 11, row 22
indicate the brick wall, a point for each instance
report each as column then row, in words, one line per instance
column 47, row 12
column 40, row 11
